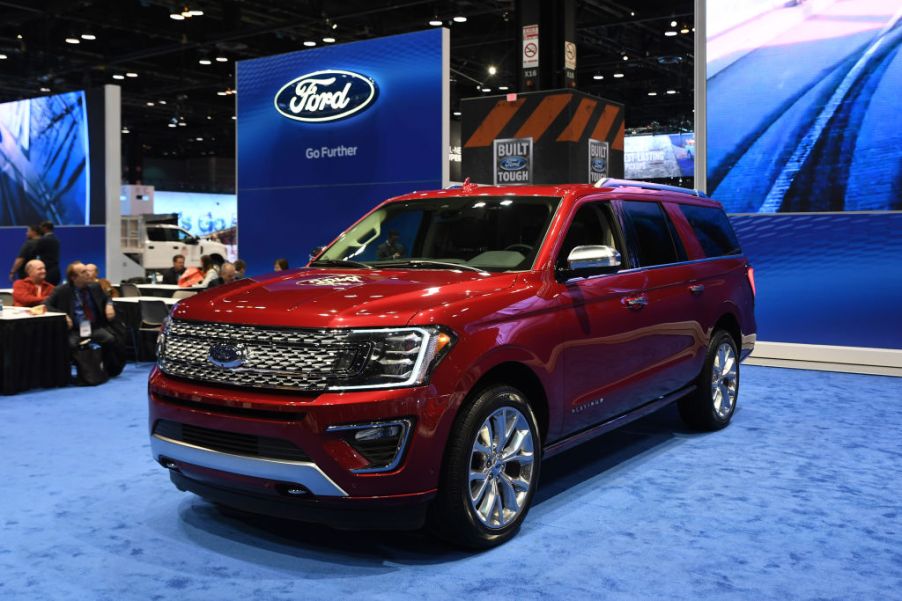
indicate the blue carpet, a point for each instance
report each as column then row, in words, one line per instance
column 798, row 499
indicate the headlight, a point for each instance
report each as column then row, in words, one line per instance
column 392, row 357
column 161, row 337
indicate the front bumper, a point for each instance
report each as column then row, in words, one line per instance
column 325, row 475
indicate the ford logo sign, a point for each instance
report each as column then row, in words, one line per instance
column 599, row 165
column 325, row 96
column 512, row 163
column 227, row 356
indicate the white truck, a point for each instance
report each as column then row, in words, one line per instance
column 152, row 240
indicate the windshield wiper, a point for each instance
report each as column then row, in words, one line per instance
column 428, row 262
column 340, row 263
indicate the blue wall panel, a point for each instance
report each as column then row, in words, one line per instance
column 833, row 279
column 82, row 243
column 290, row 196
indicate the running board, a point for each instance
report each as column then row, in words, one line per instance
column 612, row 424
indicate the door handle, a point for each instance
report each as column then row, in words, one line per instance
column 634, row 303
column 696, row 289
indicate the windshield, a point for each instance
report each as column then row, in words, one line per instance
column 488, row 233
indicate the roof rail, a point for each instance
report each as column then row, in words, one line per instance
column 627, row 183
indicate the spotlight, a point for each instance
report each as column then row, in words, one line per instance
column 492, row 70
column 459, row 19
column 118, row 76
column 73, row 41
column 221, row 59
column 436, row 23
column 618, row 75
column 131, row 74
column 329, row 40
column 310, row 43
column 88, row 36
column 205, row 61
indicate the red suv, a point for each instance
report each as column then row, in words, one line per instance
column 423, row 366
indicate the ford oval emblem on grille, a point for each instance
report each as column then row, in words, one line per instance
column 227, row 356
column 513, row 163
column 325, row 96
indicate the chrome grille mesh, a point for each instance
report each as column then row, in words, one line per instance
column 304, row 360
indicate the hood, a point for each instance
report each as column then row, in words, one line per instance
column 338, row 298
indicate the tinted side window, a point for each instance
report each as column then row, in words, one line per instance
column 713, row 230
column 591, row 226
column 653, row 234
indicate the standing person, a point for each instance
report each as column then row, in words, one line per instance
column 33, row 290
column 172, row 275
column 26, row 253
column 48, row 251
column 88, row 313
column 208, row 267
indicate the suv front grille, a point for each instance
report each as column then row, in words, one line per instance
column 230, row 442
column 279, row 358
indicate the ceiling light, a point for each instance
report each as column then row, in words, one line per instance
column 131, row 74
column 632, row 13
column 503, row 88
column 597, row 77
column 161, row 102
column 125, row 130
column 456, row 113
column 222, row 93
column 3, row 57
column 118, row 76
column 618, row 75
column 149, row 104
column 626, row 58
column 310, row 43
column 19, row 36
column 234, row 117
column 436, row 23
column 492, row 69
column 652, row 93
column 205, row 61
column 673, row 23
column 459, row 19
column 329, row 40
column 176, row 17
column 199, row 139
column 334, row 26
column 172, row 125
column 88, row 36
column 182, row 124
column 73, row 41
column 195, row 13
column 45, row 89
column 671, row 92
column 486, row 89
column 684, row 30
column 209, row 117
column 670, row 33
column 221, row 59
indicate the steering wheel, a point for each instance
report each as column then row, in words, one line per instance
column 522, row 248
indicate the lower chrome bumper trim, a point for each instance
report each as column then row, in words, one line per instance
column 297, row 472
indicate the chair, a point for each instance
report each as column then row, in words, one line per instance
column 180, row 294
column 153, row 313
column 129, row 289
column 7, row 299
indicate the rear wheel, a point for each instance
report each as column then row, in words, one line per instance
column 491, row 470
column 713, row 403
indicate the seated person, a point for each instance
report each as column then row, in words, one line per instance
column 172, row 275
column 227, row 275
column 391, row 248
column 240, row 269
column 89, row 313
column 280, row 265
column 34, row 289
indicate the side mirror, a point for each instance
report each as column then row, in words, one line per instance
column 593, row 257
column 192, row 241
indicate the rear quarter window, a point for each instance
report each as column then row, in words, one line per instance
column 713, row 230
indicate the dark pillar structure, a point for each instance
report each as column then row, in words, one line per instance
column 547, row 44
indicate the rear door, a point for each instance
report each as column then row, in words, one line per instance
column 673, row 341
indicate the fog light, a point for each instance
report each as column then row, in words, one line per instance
column 382, row 444
column 378, row 433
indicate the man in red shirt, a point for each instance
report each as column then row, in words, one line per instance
column 32, row 290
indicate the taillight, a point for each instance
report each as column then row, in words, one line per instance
column 750, row 272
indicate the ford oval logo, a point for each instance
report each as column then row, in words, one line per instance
column 227, row 356
column 326, row 96
column 513, row 163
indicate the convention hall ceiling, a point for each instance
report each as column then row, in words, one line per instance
column 173, row 63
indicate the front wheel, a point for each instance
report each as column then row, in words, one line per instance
column 491, row 470
column 713, row 403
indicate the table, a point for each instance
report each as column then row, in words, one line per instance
column 166, row 290
column 34, row 350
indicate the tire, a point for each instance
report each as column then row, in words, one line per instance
column 484, row 498
column 711, row 406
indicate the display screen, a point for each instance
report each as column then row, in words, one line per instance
column 44, row 166
column 200, row 214
column 803, row 105
column 661, row 156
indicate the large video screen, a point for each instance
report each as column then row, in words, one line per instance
column 803, row 105
column 659, row 156
column 44, row 166
column 200, row 214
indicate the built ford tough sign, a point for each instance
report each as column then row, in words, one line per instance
column 420, row 370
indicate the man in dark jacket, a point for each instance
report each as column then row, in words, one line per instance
column 172, row 275
column 47, row 250
column 26, row 253
column 88, row 312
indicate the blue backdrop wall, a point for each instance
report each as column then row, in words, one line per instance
column 325, row 134
column 84, row 243
column 831, row 279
